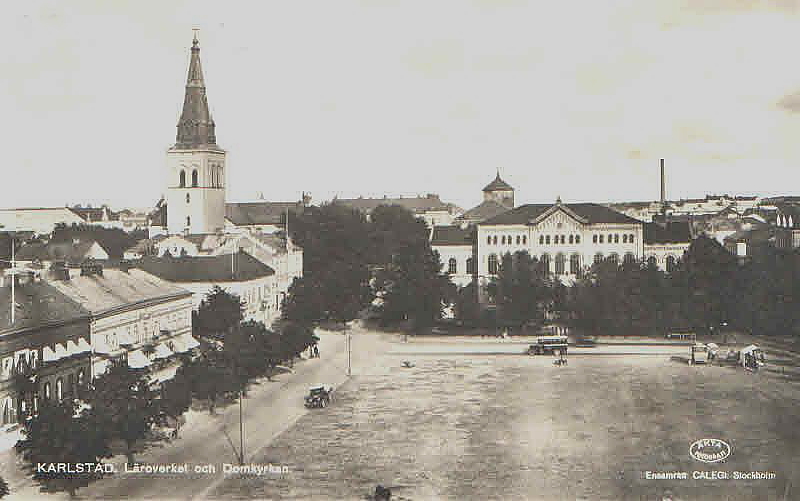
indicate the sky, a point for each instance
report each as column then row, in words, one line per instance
column 577, row 100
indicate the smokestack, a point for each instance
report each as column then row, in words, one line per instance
column 663, row 189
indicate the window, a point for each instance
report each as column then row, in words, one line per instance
column 571, row 239
column 670, row 264
column 524, row 240
column 452, row 266
column 59, row 389
column 182, row 179
column 651, row 262
column 629, row 258
column 575, row 264
column 187, row 198
column 559, row 264
column 47, row 391
column 188, row 221
column 194, row 178
column 508, row 239
column 547, row 239
column 616, row 238
column 601, row 239
column 598, row 258
column 470, row 266
column 503, row 240
column 614, row 258
column 492, row 264
column 577, row 239
column 541, row 239
column 518, row 239
column 594, row 239
column 630, row 238
column 488, row 240
column 624, row 239
column 494, row 240
column 563, row 239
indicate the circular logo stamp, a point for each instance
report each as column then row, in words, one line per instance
column 710, row 450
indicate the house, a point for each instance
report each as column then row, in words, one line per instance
column 135, row 317
column 47, row 346
column 260, row 216
column 238, row 273
column 39, row 220
column 72, row 253
column 567, row 238
column 429, row 208
column 665, row 243
column 747, row 244
column 456, row 246
column 498, row 197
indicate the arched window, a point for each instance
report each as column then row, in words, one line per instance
column 614, row 258
column 560, row 264
column 598, row 258
column 188, row 221
column 670, row 264
column 194, row 178
column 493, row 264
column 452, row 266
column 630, row 238
column 547, row 239
column 470, row 266
column 563, row 239
column 59, row 389
column 594, row 239
column 187, row 198
column 541, row 239
column 182, row 179
column 47, row 391
column 616, row 238
column 494, row 240
column 624, row 238
column 629, row 258
column 524, row 240
column 509, row 239
column 545, row 263
column 652, row 262
column 489, row 240
column 575, row 264
column 572, row 239
column 577, row 239
column 518, row 239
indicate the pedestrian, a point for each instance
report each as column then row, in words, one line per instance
column 316, row 351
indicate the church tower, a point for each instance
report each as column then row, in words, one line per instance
column 499, row 191
column 195, row 165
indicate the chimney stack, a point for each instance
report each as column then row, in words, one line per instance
column 663, row 189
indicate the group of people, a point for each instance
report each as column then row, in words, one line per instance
column 313, row 351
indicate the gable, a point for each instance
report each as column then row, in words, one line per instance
column 558, row 218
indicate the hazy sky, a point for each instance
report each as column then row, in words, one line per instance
column 570, row 99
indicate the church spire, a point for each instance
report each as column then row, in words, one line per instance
column 195, row 127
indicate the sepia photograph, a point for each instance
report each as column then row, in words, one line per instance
column 398, row 250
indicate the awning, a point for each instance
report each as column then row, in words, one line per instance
column 137, row 359
column 184, row 343
column 83, row 345
column 162, row 351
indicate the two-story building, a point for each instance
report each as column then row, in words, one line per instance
column 567, row 238
column 456, row 248
column 135, row 316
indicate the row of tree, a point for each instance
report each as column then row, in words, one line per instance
column 352, row 264
column 707, row 289
column 123, row 406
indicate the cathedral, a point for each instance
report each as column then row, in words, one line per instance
column 240, row 246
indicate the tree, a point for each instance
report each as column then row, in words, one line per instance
column 125, row 405
column 710, row 276
column 220, row 312
column 176, row 396
column 3, row 488
column 522, row 291
column 466, row 305
column 210, row 376
column 57, row 436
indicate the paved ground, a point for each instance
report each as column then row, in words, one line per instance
column 515, row 427
column 479, row 420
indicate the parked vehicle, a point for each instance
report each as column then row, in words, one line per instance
column 752, row 357
column 318, row 397
column 548, row 344
column 698, row 354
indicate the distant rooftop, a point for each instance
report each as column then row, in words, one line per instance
column 239, row 267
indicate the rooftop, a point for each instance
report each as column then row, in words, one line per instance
column 239, row 267
column 251, row 213
column 429, row 202
column 672, row 232
column 37, row 304
column 451, row 235
column 589, row 212
column 498, row 185
column 484, row 211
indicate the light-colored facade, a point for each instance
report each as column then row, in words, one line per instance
column 568, row 237
column 41, row 221
column 129, row 311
